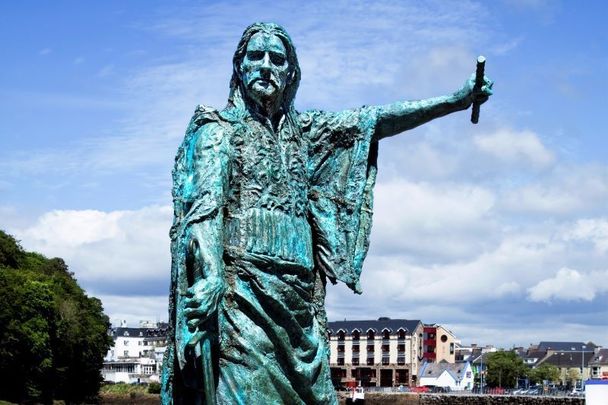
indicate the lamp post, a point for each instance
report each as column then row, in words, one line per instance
column 582, row 351
column 583, row 347
column 481, row 373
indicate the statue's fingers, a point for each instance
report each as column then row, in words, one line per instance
column 191, row 303
column 487, row 90
column 481, row 99
column 191, row 313
column 192, row 324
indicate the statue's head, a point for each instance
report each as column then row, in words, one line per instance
column 265, row 67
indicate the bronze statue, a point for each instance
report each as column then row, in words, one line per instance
column 270, row 203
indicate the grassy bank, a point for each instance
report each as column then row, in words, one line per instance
column 119, row 394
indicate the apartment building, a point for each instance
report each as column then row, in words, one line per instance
column 438, row 344
column 137, row 353
column 383, row 352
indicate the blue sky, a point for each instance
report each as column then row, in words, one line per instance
column 498, row 231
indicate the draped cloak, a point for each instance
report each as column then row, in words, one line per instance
column 297, row 208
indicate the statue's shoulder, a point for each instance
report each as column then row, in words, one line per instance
column 203, row 116
column 206, row 126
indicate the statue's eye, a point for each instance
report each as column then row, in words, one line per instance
column 255, row 55
column 277, row 59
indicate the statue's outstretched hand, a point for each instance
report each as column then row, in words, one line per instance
column 202, row 300
column 469, row 94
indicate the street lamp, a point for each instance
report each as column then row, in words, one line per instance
column 481, row 373
column 582, row 351
column 583, row 347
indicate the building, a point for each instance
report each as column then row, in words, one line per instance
column 457, row 377
column 438, row 344
column 137, row 353
column 571, row 358
column 599, row 365
column 383, row 352
column 570, row 365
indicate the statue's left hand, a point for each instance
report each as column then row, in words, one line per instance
column 468, row 94
column 202, row 300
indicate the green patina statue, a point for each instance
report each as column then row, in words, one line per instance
column 269, row 204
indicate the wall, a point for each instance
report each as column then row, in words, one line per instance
column 428, row 399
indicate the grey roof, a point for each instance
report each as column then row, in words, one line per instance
column 600, row 358
column 377, row 325
column 138, row 332
column 566, row 346
column 567, row 360
column 536, row 355
column 434, row 370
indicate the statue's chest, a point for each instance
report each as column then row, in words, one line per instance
column 269, row 169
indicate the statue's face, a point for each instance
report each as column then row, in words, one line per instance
column 264, row 68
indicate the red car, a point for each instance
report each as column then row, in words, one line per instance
column 420, row 389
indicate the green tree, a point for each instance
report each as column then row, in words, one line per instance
column 52, row 335
column 544, row 372
column 572, row 376
column 504, row 368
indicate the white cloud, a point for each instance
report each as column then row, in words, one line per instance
column 445, row 221
column 566, row 190
column 135, row 308
column 570, row 285
column 515, row 147
column 105, row 246
column 592, row 230
column 70, row 229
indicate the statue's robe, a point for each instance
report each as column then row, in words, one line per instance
column 296, row 206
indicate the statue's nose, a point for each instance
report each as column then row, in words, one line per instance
column 266, row 62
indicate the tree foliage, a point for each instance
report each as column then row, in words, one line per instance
column 504, row 368
column 544, row 372
column 53, row 337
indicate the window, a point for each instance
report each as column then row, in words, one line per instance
column 139, row 343
column 340, row 361
column 126, row 343
column 126, row 353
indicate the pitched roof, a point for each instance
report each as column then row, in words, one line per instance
column 435, row 370
column 377, row 325
column 567, row 360
column 138, row 332
column 566, row 346
column 600, row 358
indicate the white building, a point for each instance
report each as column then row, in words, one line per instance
column 457, row 376
column 383, row 352
column 137, row 354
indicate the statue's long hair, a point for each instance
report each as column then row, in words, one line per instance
column 237, row 90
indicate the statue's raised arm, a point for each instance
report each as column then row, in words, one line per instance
column 397, row 117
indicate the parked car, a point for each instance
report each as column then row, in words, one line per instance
column 437, row 389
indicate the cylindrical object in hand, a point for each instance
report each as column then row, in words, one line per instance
column 481, row 62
